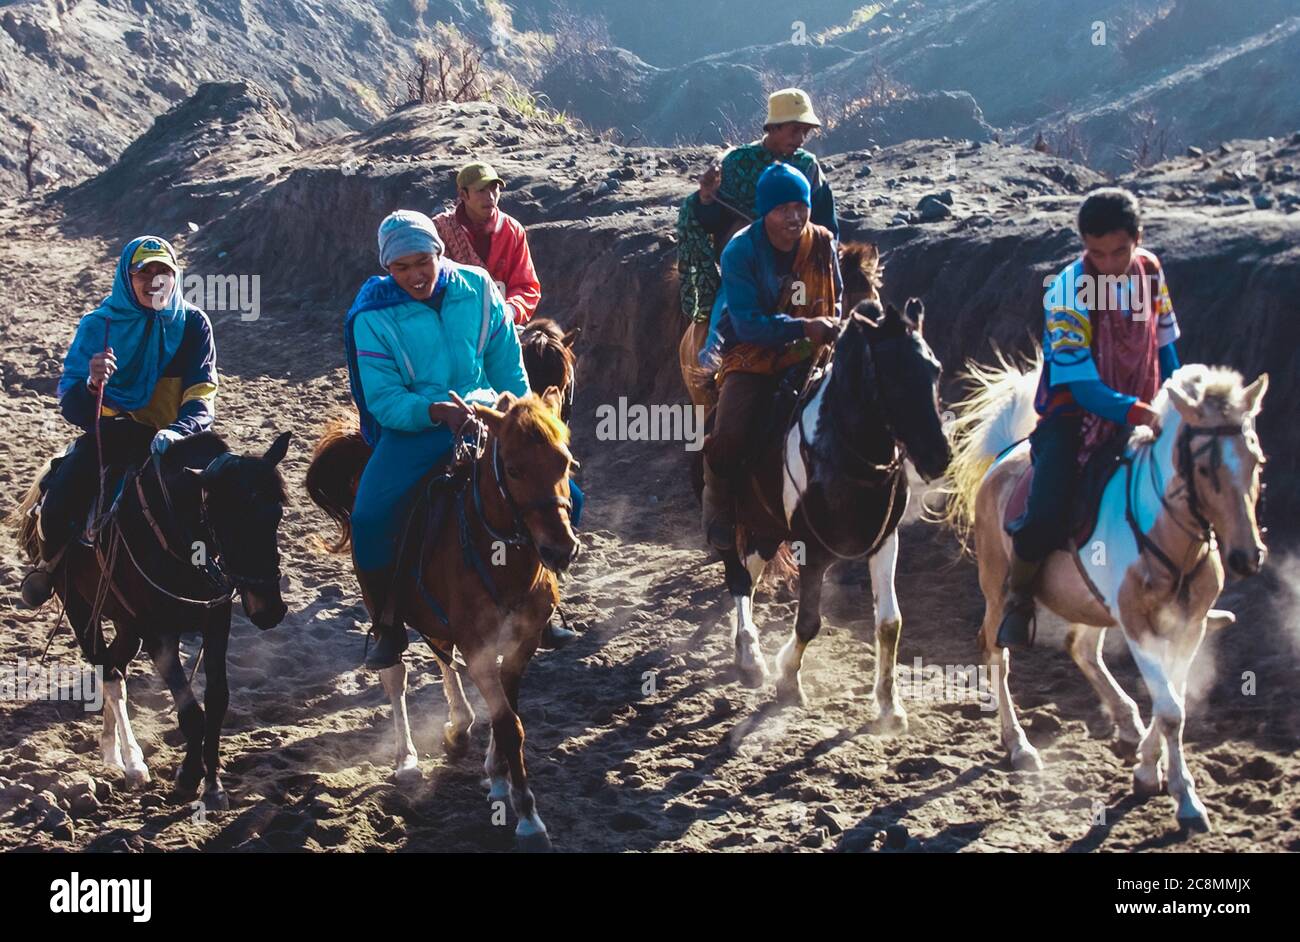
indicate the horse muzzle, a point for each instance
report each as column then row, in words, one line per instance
column 558, row 559
column 1245, row 563
column 264, row 609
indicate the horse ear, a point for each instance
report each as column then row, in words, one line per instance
column 279, row 448
column 505, row 401
column 553, row 399
column 491, row 417
column 1253, row 395
column 1187, row 407
column 867, row 314
column 571, row 337
column 915, row 312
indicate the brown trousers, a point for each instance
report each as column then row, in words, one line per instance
column 741, row 397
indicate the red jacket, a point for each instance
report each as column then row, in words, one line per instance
column 509, row 262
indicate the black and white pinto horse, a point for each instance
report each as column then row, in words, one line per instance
column 834, row 486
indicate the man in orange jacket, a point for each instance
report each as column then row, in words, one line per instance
column 476, row 232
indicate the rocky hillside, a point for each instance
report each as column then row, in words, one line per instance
column 970, row 227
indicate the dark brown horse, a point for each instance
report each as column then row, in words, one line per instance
column 189, row 531
column 549, row 358
column 484, row 576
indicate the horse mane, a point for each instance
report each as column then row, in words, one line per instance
column 1219, row 387
column 545, row 353
column 860, row 268
column 531, row 415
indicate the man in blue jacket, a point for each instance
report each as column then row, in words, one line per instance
column 424, row 343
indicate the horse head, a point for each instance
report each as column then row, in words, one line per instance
column 861, row 270
column 549, row 359
column 887, row 350
column 532, row 462
column 242, row 500
column 1218, row 456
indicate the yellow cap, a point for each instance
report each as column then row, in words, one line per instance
column 790, row 104
column 477, row 175
column 153, row 249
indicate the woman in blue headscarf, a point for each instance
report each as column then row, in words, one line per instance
column 153, row 355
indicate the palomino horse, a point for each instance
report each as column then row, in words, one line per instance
column 512, row 508
column 1181, row 503
column 860, row 269
column 144, row 574
column 832, row 482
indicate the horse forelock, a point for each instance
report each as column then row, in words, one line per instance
column 1220, row 390
column 533, row 417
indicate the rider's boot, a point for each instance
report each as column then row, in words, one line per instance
column 719, row 510
column 389, row 630
column 38, row 585
column 1017, row 625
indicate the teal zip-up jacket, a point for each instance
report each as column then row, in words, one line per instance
column 414, row 353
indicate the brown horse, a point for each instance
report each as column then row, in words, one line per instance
column 861, row 270
column 549, row 358
column 1181, row 504
column 484, row 577
column 146, row 574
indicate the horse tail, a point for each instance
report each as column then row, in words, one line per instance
column 998, row 413
column 24, row 520
column 336, row 465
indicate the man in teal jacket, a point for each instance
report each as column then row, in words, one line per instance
column 423, row 344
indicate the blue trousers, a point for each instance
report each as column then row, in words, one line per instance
column 388, row 489
column 1054, row 446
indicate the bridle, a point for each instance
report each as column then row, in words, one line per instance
column 1185, row 457
column 519, row 535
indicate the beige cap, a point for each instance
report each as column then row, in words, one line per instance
column 790, row 104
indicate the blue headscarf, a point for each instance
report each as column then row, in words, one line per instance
column 377, row 293
column 143, row 340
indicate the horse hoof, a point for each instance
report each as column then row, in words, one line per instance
column 791, row 694
column 137, row 778
column 1193, row 817
column 498, row 789
column 890, row 724
column 1026, row 760
column 537, row 843
column 216, row 799
column 408, row 770
column 455, row 745
column 1125, row 750
column 185, row 785
column 1146, row 785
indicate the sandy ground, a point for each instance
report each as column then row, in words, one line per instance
column 639, row 735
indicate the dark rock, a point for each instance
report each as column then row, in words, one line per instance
column 932, row 208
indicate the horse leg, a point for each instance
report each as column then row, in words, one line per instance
column 992, row 557
column 216, row 698
column 807, row 623
column 78, row 611
column 165, row 652
column 891, row 716
column 1085, row 644
column 507, row 743
column 408, row 762
column 460, row 715
column 741, row 583
column 1165, row 674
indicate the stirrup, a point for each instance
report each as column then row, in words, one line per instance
column 34, row 594
column 1020, row 640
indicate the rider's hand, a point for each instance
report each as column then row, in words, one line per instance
column 163, row 440
column 452, row 414
column 102, row 366
column 1142, row 414
column 821, row 330
column 710, row 180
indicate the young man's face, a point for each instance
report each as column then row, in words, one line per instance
column 784, row 139
column 1112, row 253
column 415, row 274
column 153, row 285
column 481, row 203
column 785, row 223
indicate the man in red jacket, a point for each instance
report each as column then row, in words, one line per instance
column 477, row 233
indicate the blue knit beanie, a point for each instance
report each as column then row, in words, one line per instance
column 781, row 183
column 407, row 232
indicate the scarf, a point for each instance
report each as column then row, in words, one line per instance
column 1124, row 350
column 143, row 340
column 814, row 267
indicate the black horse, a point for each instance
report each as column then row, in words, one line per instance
column 830, row 480
column 188, row 531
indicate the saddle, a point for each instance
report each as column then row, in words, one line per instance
column 115, row 477
column 1094, row 477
